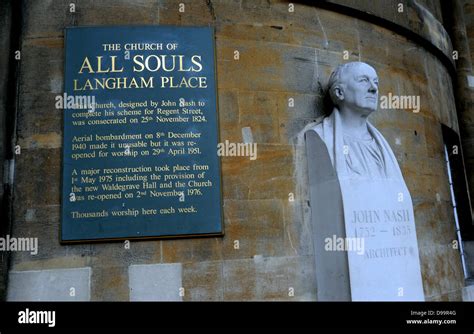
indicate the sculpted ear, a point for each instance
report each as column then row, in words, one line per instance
column 339, row 93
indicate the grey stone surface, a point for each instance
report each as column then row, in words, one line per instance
column 247, row 134
column 327, row 219
column 468, row 293
column 155, row 282
column 470, row 81
column 50, row 285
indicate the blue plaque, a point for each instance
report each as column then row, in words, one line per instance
column 140, row 134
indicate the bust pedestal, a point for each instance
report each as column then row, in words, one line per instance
column 375, row 214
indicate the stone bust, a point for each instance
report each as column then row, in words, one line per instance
column 356, row 148
column 357, row 192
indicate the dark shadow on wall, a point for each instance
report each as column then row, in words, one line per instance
column 10, row 39
column 461, row 203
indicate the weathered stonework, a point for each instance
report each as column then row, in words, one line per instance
column 282, row 55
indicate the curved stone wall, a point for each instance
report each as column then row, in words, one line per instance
column 282, row 55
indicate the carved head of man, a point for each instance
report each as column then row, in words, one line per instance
column 354, row 86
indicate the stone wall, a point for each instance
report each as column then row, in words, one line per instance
column 283, row 55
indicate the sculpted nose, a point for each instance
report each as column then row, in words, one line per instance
column 373, row 88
